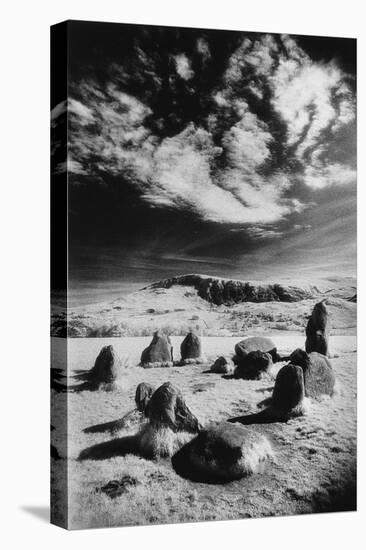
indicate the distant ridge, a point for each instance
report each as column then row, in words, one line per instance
column 221, row 291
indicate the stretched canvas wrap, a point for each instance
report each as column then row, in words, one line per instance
column 203, row 274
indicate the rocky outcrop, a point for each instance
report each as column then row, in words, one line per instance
column 221, row 453
column 317, row 330
column 226, row 291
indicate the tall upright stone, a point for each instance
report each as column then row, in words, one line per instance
column 317, row 330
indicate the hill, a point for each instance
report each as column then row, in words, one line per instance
column 212, row 306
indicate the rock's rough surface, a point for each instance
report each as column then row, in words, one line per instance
column 168, row 408
column 319, row 378
column 106, row 368
column 255, row 343
column 226, row 291
column 159, row 352
column 223, row 365
column 221, row 453
column 317, row 330
column 191, row 347
column 253, row 365
column 143, row 394
column 288, row 392
column 171, row 423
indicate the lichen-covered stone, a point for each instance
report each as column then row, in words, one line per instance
column 221, row 453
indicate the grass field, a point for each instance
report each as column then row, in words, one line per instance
column 315, row 455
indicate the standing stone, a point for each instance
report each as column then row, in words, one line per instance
column 106, row 367
column 288, row 392
column 168, row 408
column 319, row 378
column 170, row 423
column 143, row 395
column 191, row 347
column 159, row 352
column 317, row 330
column 286, row 402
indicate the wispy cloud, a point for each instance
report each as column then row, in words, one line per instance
column 183, row 66
column 225, row 165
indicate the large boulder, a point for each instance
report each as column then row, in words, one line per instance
column 255, row 343
column 159, row 353
column 319, row 378
column 221, row 453
column 288, row 392
column 191, row 347
column 253, row 365
column 106, row 368
column 317, row 330
column 143, row 395
column 223, row 365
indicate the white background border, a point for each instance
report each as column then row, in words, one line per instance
column 24, row 311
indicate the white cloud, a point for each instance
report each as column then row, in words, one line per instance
column 223, row 179
column 246, row 142
column 260, row 232
column 203, row 48
column 183, row 66
column 183, row 178
column 302, row 95
column 320, row 175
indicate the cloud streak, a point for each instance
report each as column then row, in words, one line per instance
column 273, row 112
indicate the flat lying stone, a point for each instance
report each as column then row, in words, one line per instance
column 255, row 343
column 221, row 453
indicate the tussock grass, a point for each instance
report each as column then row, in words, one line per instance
column 159, row 441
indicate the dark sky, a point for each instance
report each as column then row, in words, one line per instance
column 220, row 152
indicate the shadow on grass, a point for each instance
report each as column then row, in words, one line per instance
column 340, row 498
column 57, row 374
column 132, row 417
column 54, row 453
column 57, row 386
column 112, row 426
column 109, row 449
column 183, row 467
column 82, row 375
column 263, row 417
column 85, row 386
